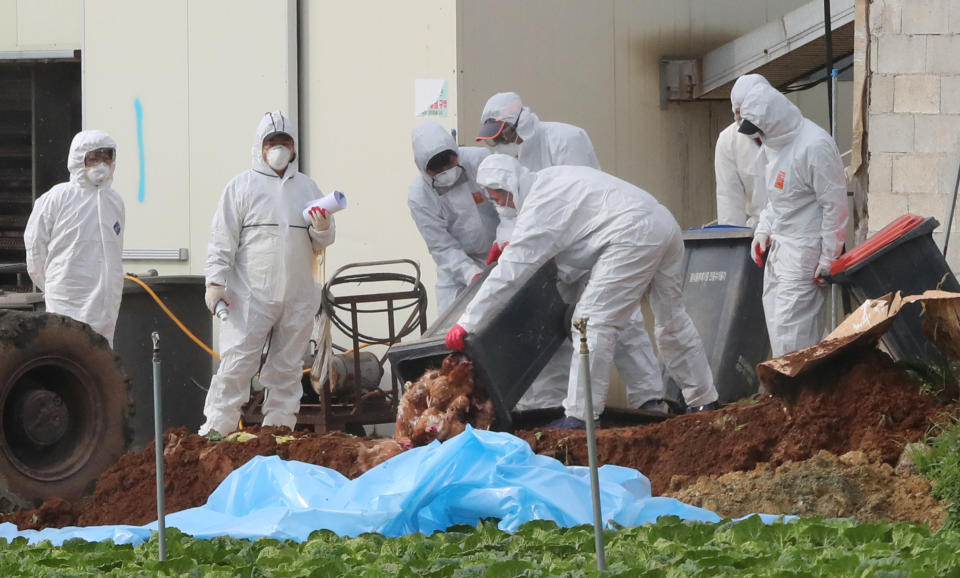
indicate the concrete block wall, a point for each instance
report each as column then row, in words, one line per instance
column 913, row 130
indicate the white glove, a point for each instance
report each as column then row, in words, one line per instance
column 820, row 276
column 215, row 294
column 320, row 219
column 759, row 247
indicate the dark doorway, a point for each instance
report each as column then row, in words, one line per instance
column 40, row 111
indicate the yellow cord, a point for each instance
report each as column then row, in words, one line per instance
column 189, row 333
column 171, row 315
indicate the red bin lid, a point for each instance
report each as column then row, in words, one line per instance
column 884, row 237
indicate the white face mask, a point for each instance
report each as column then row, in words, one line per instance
column 278, row 157
column 506, row 211
column 512, row 149
column 99, row 173
column 447, row 178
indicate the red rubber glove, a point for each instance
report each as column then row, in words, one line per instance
column 455, row 336
column 494, row 253
column 475, row 277
column 758, row 248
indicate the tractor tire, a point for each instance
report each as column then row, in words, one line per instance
column 65, row 408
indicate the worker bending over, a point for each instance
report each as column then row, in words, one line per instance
column 451, row 212
column 632, row 247
column 513, row 129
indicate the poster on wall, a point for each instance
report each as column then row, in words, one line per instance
column 430, row 98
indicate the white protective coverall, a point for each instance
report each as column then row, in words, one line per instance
column 550, row 144
column 458, row 224
column 632, row 247
column 805, row 219
column 263, row 252
column 74, row 242
column 738, row 162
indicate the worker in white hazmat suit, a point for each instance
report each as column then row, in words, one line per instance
column 802, row 229
column 74, row 237
column 260, row 263
column 512, row 129
column 449, row 208
column 738, row 163
column 631, row 245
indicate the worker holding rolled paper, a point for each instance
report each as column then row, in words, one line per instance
column 259, row 263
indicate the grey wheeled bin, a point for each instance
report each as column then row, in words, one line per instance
column 722, row 293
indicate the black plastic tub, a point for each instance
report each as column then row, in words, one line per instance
column 186, row 368
column 508, row 350
column 909, row 262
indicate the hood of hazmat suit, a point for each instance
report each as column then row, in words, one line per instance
column 74, row 242
column 545, row 144
column 263, row 252
column 458, row 223
column 742, row 86
column 588, row 220
column 738, row 164
column 806, row 216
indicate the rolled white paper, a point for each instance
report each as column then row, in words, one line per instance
column 333, row 202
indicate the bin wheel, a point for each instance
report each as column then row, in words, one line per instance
column 65, row 408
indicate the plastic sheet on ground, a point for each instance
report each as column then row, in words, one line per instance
column 476, row 475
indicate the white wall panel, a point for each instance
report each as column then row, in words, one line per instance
column 359, row 61
column 49, row 24
column 145, row 60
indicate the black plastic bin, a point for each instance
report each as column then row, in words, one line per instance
column 508, row 349
column 186, row 368
column 722, row 293
column 902, row 257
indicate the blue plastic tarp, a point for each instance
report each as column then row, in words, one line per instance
column 476, row 475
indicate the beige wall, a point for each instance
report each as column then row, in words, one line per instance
column 40, row 24
column 357, row 89
column 204, row 82
column 596, row 65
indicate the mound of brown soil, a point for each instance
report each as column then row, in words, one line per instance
column 865, row 403
column 825, row 486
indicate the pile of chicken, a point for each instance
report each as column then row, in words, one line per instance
column 441, row 403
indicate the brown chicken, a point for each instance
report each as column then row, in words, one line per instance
column 375, row 452
column 441, row 403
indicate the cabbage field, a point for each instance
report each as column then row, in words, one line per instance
column 807, row 547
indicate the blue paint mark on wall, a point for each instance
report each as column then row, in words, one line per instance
column 142, row 189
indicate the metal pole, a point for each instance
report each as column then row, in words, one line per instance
column 828, row 36
column 834, row 292
column 158, row 445
column 953, row 203
column 581, row 326
column 834, row 79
